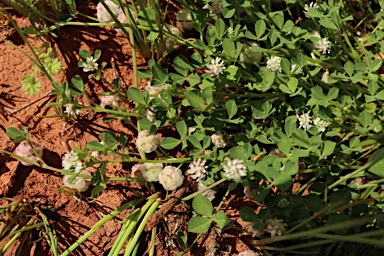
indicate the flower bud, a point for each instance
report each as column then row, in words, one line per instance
column 220, row 139
column 171, row 178
column 25, row 149
column 248, row 55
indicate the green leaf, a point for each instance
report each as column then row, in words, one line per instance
column 95, row 146
column 181, row 65
column 84, row 54
column 199, row 225
column 229, row 47
column 30, row 85
column 109, row 140
column 169, row 143
column 202, row 205
column 221, row 219
column 249, row 215
column 77, row 81
column 220, row 28
column 182, row 129
column 292, row 84
column 284, row 146
column 327, row 23
column 16, row 135
column 196, row 100
column 97, row 55
column 193, row 79
column 285, row 66
column 144, row 73
column 160, row 73
column 365, row 118
column 375, row 65
column 260, row 28
column 329, row 147
column 349, row 68
column 135, row 95
column 231, row 108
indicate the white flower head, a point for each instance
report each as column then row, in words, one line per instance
column 216, row 67
column 275, row 227
column 136, row 172
column 110, row 100
column 147, row 142
column 305, row 121
column 150, row 114
column 151, row 171
column 70, row 159
column 234, row 169
column 102, row 13
column 197, row 169
column 184, row 17
column 71, row 109
column 248, row 55
column 255, row 232
column 312, row 5
column 79, row 183
column 26, row 149
column 273, row 64
column 323, row 45
column 153, row 90
column 220, row 139
column 325, row 76
column 249, row 253
column 321, row 125
column 296, row 69
column 123, row 19
column 171, row 178
column 209, row 193
column 90, row 64
column 215, row 8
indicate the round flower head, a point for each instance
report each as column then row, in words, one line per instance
column 136, row 172
column 171, row 178
column 151, row 171
column 184, row 17
column 70, row 159
column 102, row 13
column 153, row 90
column 79, row 183
column 110, row 100
column 234, row 169
column 255, row 232
column 305, row 121
column 273, row 64
column 25, row 149
column 170, row 43
column 147, row 142
column 220, row 139
column 197, row 169
column 248, row 55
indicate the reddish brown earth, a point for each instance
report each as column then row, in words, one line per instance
column 72, row 217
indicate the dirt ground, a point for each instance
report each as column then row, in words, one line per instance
column 72, row 218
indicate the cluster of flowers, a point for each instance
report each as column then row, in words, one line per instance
column 71, row 161
column 275, row 227
column 29, row 150
column 305, row 121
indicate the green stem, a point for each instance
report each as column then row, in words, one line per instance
column 99, row 224
column 203, row 190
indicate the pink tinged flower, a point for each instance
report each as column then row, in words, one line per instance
column 136, row 172
column 103, row 14
column 249, row 253
column 210, row 193
column 26, row 149
column 79, row 183
column 171, row 178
